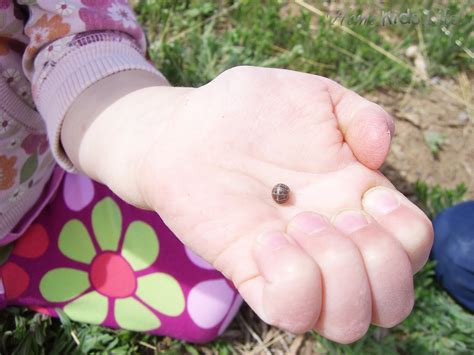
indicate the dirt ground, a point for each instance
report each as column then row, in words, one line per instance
column 430, row 110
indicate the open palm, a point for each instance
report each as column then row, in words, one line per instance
column 340, row 254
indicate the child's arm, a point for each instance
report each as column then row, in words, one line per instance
column 74, row 45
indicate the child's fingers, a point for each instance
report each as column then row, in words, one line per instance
column 347, row 309
column 387, row 265
column 389, row 207
column 287, row 292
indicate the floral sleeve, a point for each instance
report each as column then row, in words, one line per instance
column 73, row 44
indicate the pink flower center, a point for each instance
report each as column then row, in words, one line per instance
column 112, row 276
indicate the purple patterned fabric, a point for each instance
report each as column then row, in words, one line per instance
column 103, row 261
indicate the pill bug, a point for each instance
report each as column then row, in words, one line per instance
column 280, row 193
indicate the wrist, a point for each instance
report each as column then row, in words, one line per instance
column 90, row 106
column 111, row 125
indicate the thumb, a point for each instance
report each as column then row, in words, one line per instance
column 367, row 128
column 369, row 134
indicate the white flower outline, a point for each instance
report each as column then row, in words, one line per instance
column 63, row 8
column 123, row 14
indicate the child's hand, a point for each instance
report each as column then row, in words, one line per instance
column 340, row 254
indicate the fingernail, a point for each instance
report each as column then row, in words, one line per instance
column 380, row 201
column 309, row 223
column 350, row 221
column 272, row 240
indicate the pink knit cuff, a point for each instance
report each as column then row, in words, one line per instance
column 75, row 72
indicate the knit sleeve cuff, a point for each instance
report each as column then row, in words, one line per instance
column 56, row 89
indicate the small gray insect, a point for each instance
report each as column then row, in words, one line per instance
column 280, row 193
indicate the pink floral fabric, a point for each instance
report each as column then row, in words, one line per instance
column 110, row 15
column 37, row 39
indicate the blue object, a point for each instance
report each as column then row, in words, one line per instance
column 453, row 250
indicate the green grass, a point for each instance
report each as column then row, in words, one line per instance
column 193, row 41
column 434, row 199
column 435, row 141
column 259, row 35
column 445, row 43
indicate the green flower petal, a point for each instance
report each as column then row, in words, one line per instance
column 107, row 224
column 161, row 292
column 63, row 284
column 132, row 315
column 28, row 169
column 75, row 242
column 90, row 308
column 140, row 246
